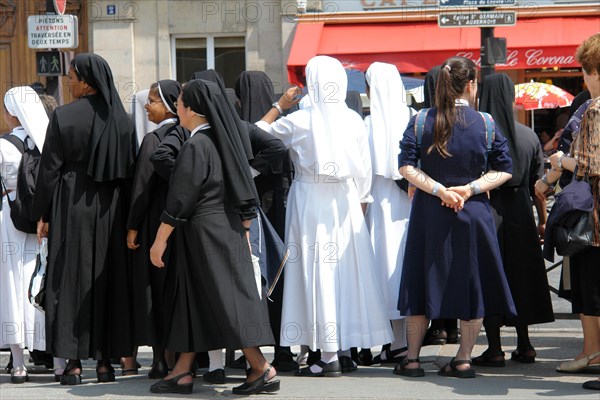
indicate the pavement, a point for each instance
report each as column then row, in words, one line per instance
column 556, row 342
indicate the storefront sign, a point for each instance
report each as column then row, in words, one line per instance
column 529, row 58
column 52, row 32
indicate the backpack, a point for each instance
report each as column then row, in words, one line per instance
column 490, row 131
column 21, row 208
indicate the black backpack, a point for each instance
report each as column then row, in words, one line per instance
column 21, row 208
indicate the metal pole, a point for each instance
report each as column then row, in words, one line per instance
column 54, row 83
column 486, row 69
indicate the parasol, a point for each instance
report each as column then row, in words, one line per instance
column 538, row 95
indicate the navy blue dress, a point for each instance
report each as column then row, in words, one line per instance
column 452, row 264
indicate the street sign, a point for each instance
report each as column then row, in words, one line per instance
column 52, row 32
column 60, row 6
column 476, row 3
column 49, row 63
column 477, row 19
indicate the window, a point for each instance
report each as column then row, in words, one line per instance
column 226, row 55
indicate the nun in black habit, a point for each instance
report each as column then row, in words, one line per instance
column 518, row 236
column 81, row 201
column 148, row 198
column 211, row 201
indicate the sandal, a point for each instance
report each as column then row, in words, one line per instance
column 490, row 359
column 67, row 378
column 524, row 355
column 105, row 376
column 400, row 369
column 455, row 372
column 14, row 378
column 260, row 385
column 391, row 356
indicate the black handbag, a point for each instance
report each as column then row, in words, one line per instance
column 576, row 233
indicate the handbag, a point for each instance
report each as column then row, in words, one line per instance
column 37, row 285
column 576, row 232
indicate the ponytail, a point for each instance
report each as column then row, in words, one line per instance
column 453, row 77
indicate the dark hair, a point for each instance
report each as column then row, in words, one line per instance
column 455, row 73
column 154, row 89
column 49, row 103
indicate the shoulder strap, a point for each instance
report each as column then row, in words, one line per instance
column 18, row 143
column 490, row 133
column 420, row 125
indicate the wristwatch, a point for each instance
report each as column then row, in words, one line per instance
column 278, row 107
column 559, row 162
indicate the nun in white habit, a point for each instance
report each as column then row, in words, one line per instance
column 387, row 216
column 332, row 296
column 22, row 325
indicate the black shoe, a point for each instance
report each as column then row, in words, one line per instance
column 284, row 361
column 71, row 379
column 391, row 356
column 217, row 376
column 347, row 365
column 525, row 355
column 9, row 366
column 592, row 385
column 172, row 386
column 489, row 359
column 42, row 358
column 435, row 337
column 261, row 385
column 105, row 376
column 330, row 370
column 400, row 369
column 158, row 370
column 365, row 357
column 452, row 336
column 313, row 357
column 240, row 363
column 18, row 379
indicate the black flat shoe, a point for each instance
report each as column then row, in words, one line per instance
column 158, row 370
column 284, row 361
column 452, row 336
column 240, row 363
column 524, row 355
column 71, row 379
column 330, row 370
column 217, row 376
column 261, row 385
column 489, row 359
column 365, row 357
column 105, row 376
column 391, row 356
column 435, row 337
column 18, row 379
column 172, row 386
column 347, row 365
column 592, row 385
column 400, row 369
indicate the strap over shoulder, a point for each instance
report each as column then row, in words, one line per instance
column 490, row 134
column 420, row 124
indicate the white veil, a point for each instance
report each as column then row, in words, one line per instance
column 25, row 104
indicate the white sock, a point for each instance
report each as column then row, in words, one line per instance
column 18, row 360
column 215, row 358
column 326, row 357
column 59, row 365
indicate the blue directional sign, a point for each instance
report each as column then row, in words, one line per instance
column 476, row 3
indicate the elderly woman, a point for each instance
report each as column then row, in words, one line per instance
column 79, row 199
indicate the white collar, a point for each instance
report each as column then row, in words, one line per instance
column 201, row 127
column 167, row 121
column 20, row 132
column 461, row 102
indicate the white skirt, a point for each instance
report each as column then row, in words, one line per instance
column 332, row 298
column 20, row 323
column 387, row 220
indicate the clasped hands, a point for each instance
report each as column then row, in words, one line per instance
column 455, row 196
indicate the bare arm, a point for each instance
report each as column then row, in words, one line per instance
column 422, row 181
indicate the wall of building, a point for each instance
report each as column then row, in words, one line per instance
column 137, row 39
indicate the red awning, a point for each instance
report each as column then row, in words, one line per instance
column 418, row 46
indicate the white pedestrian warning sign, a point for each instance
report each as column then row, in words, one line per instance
column 52, row 32
column 49, row 63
